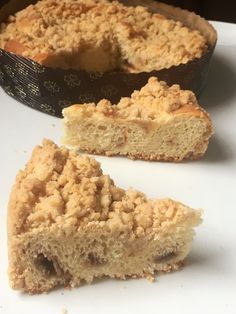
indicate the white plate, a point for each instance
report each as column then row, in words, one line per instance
column 208, row 283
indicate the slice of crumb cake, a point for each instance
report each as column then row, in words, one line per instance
column 68, row 223
column 157, row 122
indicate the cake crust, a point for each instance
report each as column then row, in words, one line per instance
column 69, row 223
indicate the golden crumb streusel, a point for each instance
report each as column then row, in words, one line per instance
column 99, row 35
column 59, row 186
column 155, row 98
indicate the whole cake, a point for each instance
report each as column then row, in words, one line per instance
column 99, row 35
column 157, row 122
column 68, row 223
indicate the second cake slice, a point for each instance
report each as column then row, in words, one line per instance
column 157, row 122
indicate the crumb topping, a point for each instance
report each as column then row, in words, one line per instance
column 58, row 186
column 154, row 98
column 128, row 37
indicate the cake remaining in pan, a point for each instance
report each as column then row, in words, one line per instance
column 122, row 53
column 99, row 35
column 157, row 122
column 68, row 223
